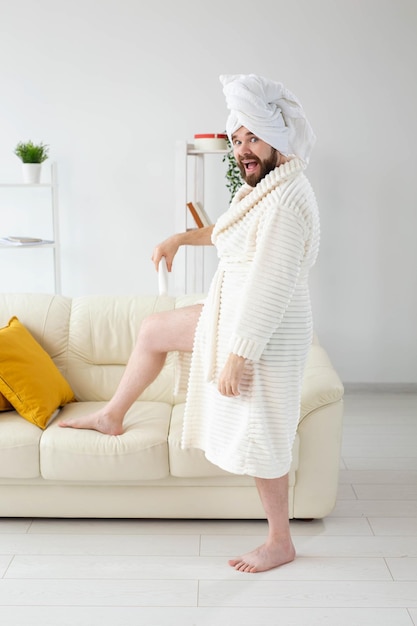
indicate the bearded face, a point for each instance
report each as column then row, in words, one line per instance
column 253, row 169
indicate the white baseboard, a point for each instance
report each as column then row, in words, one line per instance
column 380, row 387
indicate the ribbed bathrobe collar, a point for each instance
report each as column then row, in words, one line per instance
column 247, row 197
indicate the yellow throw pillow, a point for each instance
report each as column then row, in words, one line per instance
column 4, row 404
column 29, row 379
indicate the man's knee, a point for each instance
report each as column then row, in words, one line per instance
column 149, row 329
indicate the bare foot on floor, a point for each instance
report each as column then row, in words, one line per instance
column 265, row 557
column 100, row 421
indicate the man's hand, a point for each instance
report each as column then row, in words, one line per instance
column 231, row 375
column 167, row 249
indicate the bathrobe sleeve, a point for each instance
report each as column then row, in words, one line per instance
column 280, row 248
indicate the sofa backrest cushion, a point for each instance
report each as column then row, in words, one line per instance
column 46, row 317
column 90, row 338
column 102, row 334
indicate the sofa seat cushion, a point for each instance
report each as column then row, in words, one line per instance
column 19, row 447
column 140, row 453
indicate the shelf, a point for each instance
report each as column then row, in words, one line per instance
column 27, row 245
column 189, row 148
column 46, row 185
column 194, row 265
column 202, row 152
column 51, row 240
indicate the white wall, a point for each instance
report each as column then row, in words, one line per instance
column 112, row 84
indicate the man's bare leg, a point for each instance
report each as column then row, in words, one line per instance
column 278, row 548
column 159, row 334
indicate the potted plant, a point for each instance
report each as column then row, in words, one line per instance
column 233, row 178
column 32, row 156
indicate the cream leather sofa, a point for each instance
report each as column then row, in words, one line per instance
column 60, row 472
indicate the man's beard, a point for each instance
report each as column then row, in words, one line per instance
column 266, row 166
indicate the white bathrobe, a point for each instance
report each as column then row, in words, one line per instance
column 258, row 307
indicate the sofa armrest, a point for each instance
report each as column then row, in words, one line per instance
column 321, row 384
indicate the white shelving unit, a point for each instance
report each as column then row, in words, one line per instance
column 190, row 275
column 35, row 193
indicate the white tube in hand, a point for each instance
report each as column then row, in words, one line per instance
column 163, row 277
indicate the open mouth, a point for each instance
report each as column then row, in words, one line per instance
column 250, row 166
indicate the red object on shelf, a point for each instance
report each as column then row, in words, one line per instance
column 210, row 141
column 211, row 136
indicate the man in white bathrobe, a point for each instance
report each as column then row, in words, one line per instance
column 251, row 337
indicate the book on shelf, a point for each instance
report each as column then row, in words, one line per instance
column 23, row 241
column 200, row 216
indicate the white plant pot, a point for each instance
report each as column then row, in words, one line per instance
column 31, row 173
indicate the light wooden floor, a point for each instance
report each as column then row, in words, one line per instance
column 358, row 567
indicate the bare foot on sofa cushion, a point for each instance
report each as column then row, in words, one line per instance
column 265, row 557
column 102, row 421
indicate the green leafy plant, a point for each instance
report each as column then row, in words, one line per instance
column 28, row 152
column 233, row 177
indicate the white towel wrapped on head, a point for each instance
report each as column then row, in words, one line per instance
column 269, row 111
